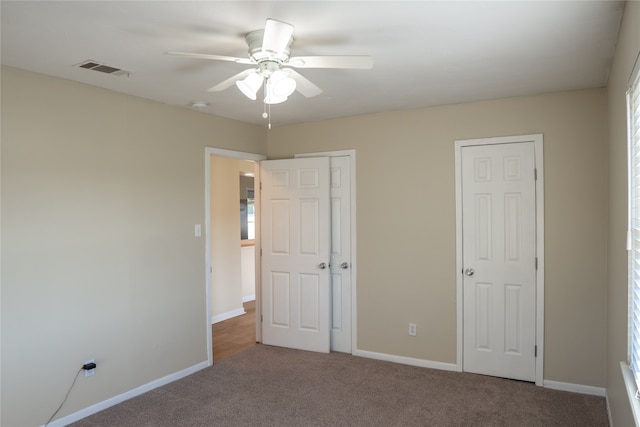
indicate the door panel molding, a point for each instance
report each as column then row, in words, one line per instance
column 348, row 342
column 537, row 140
column 295, row 280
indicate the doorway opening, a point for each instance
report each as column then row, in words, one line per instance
column 232, row 275
column 344, row 333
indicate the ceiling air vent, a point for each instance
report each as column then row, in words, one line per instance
column 96, row 66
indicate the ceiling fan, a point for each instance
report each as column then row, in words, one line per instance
column 270, row 54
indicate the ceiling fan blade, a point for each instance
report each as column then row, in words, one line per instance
column 231, row 80
column 213, row 57
column 336, row 61
column 277, row 35
column 303, row 85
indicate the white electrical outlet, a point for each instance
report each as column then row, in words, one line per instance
column 89, row 372
column 412, row 329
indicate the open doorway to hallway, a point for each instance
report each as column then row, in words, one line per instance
column 233, row 288
column 231, row 242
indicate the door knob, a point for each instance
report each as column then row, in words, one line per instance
column 469, row 271
column 344, row 265
column 322, row 265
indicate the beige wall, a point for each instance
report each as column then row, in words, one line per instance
column 406, row 268
column 627, row 49
column 248, row 272
column 226, row 261
column 100, row 194
column 246, row 166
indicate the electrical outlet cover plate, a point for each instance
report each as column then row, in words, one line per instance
column 89, row 372
column 412, row 329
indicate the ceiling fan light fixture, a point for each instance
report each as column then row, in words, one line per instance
column 270, row 98
column 250, row 85
column 281, row 85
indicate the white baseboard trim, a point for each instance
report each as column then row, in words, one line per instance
column 575, row 388
column 249, row 298
column 93, row 409
column 555, row 385
column 407, row 360
column 228, row 315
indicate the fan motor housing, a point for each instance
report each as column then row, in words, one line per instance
column 254, row 41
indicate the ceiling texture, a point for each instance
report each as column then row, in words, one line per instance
column 425, row 53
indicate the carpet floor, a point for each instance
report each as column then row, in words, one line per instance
column 271, row 386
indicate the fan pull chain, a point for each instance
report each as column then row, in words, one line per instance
column 264, row 98
column 266, row 114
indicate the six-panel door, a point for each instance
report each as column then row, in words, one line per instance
column 295, row 253
column 499, row 250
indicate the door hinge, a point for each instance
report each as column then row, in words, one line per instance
column 536, row 263
column 535, row 174
column 261, row 318
column 260, row 251
column 261, row 185
column 535, row 351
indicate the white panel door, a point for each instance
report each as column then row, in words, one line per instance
column 499, row 265
column 340, row 253
column 295, row 253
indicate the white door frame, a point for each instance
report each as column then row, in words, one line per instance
column 537, row 140
column 240, row 155
column 354, row 265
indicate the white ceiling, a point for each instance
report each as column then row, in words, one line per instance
column 425, row 53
